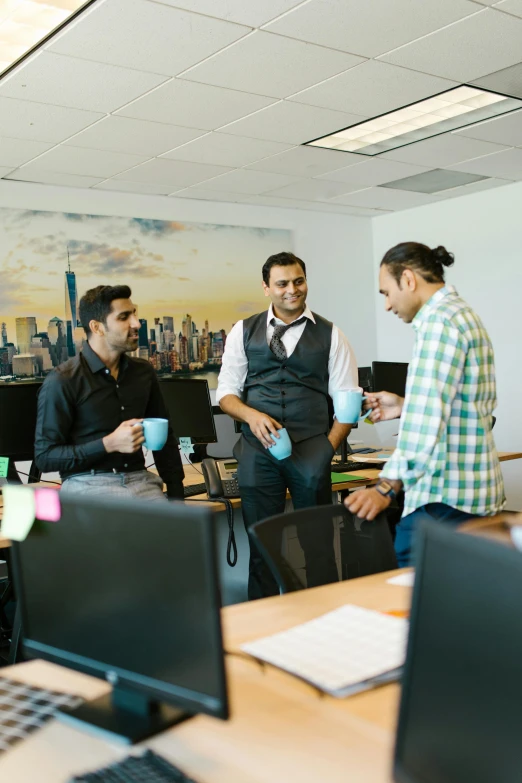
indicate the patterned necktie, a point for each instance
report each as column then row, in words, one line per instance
column 276, row 343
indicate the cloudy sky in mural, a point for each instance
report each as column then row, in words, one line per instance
column 210, row 271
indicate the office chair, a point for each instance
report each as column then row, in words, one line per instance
column 364, row 547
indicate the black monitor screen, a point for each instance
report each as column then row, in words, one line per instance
column 462, row 693
column 189, row 408
column 131, row 588
column 18, row 419
column 365, row 378
column 390, row 376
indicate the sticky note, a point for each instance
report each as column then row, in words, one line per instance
column 19, row 512
column 47, row 504
column 4, row 465
column 186, row 446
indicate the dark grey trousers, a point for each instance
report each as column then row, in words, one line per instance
column 263, row 481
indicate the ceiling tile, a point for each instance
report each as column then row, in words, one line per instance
column 384, row 198
column 78, row 84
column 224, row 150
column 312, row 190
column 193, row 105
column 313, row 206
column 210, row 195
column 75, row 160
column 507, row 81
column 365, row 28
column 434, row 181
column 243, row 181
column 15, row 152
column 27, row 120
column 501, row 165
column 466, row 50
column 175, row 173
column 139, row 137
column 510, row 7
column 5, row 170
column 290, row 122
column 249, row 12
column 441, row 151
column 148, row 188
column 53, row 178
column 146, row 36
column 473, row 187
column 306, row 161
column 372, row 88
column 268, row 64
column 373, row 172
column 502, row 130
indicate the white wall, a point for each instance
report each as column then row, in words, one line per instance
column 336, row 248
column 484, row 231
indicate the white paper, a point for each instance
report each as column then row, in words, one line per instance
column 340, row 652
column 405, row 580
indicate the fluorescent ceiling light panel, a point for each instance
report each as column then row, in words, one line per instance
column 442, row 113
column 433, row 181
column 24, row 23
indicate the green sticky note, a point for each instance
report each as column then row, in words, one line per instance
column 4, row 465
column 340, row 478
column 19, row 512
column 186, row 446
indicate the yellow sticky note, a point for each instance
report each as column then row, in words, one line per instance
column 19, row 512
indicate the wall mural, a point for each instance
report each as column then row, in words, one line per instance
column 190, row 282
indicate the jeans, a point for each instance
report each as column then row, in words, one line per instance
column 139, row 484
column 407, row 528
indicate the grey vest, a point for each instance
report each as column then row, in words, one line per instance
column 293, row 391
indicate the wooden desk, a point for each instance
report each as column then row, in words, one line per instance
column 281, row 728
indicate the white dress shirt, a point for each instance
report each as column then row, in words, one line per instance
column 342, row 366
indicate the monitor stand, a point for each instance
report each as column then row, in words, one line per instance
column 124, row 715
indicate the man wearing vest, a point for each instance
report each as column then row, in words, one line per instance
column 279, row 368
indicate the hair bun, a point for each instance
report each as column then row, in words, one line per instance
column 441, row 255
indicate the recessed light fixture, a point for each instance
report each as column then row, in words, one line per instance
column 441, row 113
column 25, row 23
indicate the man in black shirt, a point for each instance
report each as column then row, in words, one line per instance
column 91, row 407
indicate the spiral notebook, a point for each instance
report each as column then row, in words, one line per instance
column 342, row 652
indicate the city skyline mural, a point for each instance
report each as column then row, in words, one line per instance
column 190, row 282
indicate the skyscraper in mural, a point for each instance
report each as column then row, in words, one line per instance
column 26, row 328
column 71, row 307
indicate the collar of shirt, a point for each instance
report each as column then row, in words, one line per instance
column 270, row 314
column 94, row 362
column 432, row 304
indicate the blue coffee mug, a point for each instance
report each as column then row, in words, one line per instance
column 156, row 432
column 282, row 447
column 347, row 405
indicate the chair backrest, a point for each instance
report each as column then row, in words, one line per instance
column 361, row 548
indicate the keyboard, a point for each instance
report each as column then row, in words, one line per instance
column 149, row 768
column 351, row 466
column 195, row 489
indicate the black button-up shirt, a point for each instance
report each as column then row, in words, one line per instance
column 80, row 403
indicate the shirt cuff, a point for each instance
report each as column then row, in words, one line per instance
column 94, row 448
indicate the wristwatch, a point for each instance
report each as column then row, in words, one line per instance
column 385, row 488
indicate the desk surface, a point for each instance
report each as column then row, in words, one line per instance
column 281, row 728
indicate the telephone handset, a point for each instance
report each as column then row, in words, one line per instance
column 220, row 477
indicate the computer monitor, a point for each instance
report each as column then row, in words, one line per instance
column 365, row 378
column 127, row 591
column 389, row 376
column 189, row 408
column 462, row 690
column 18, row 419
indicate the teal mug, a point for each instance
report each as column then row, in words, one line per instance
column 347, row 406
column 156, row 432
column 282, row 447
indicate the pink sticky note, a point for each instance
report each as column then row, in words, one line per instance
column 47, row 503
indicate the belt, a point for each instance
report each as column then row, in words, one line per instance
column 95, row 472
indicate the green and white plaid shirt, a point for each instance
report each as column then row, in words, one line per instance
column 445, row 450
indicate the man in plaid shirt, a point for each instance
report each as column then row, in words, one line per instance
column 445, row 459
